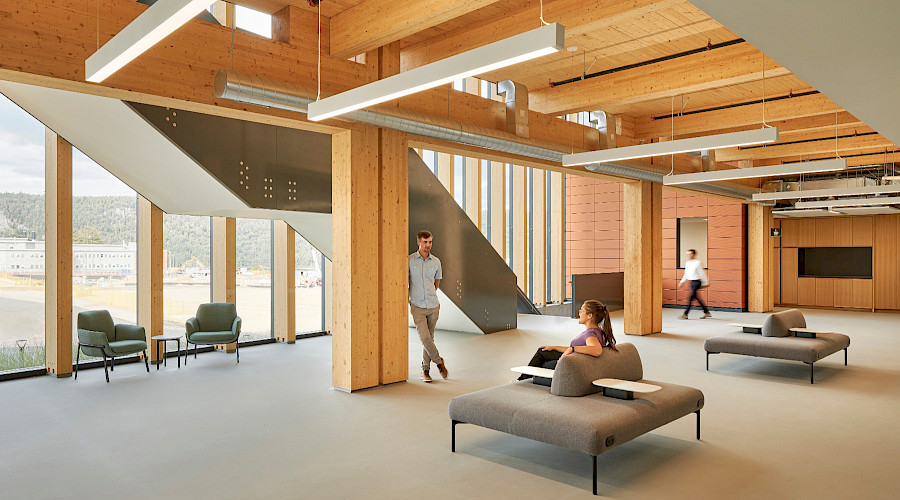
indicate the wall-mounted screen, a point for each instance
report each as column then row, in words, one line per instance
column 835, row 262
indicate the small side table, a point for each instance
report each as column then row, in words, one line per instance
column 165, row 338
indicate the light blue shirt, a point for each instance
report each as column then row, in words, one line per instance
column 422, row 273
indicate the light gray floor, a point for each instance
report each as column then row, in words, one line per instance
column 271, row 427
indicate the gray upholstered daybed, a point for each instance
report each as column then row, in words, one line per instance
column 784, row 335
column 573, row 412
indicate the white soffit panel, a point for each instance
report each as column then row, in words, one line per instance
column 819, row 212
column 868, row 210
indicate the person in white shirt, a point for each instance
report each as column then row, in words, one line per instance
column 693, row 272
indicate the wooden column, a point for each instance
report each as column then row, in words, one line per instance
column 643, row 258
column 498, row 207
column 520, row 234
column 224, row 262
column 393, row 249
column 558, row 236
column 327, row 294
column 283, row 281
column 539, row 236
column 150, row 273
column 58, row 257
column 355, row 218
column 760, row 259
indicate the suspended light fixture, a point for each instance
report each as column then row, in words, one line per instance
column 822, row 193
column 808, row 167
column 848, row 202
column 519, row 48
column 730, row 140
column 154, row 24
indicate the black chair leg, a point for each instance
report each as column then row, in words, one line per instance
column 147, row 363
column 104, row 368
column 237, row 351
column 698, row 424
column 112, row 364
column 845, row 356
column 594, row 467
column 77, row 358
column 187, row 349
column 707, row 361
column 453, row 435
column 811, row 373
column 195, row 350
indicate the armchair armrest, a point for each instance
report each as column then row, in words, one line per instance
column 92, row 338
column 191, row 326
column 130, row 332
column 236, row 327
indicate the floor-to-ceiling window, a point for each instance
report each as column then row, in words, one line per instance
column 254, row 278
column 22, row 239
column 308, row 263
column 187, row 272
column 104, row 243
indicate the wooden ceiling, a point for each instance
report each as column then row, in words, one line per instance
column 653, row 59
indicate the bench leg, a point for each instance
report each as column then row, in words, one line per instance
column 707, row 361
column 811, row 374
column 698, row 424
column 453, row 435
column 594, row 467
column 845, row 356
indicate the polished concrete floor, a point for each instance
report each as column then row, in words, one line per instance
column 272, row 427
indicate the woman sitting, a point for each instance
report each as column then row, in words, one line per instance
column 595, row 317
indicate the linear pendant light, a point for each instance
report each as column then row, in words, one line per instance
column 821, row 193
column 808, row 167
column 718, row 141
column 154, row 24
column 848, row 202
column 515, row 49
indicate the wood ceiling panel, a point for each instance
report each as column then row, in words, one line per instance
column 329, row 7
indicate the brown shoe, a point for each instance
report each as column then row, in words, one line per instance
column 443, row 369
column 426, row 377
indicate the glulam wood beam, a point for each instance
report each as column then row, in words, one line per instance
column 809, row 147
column 572, row 14
column 722, row 67
column 736, row 116
column 374, row 23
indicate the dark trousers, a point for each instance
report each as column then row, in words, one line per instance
column 543, row 359
column 695, row 285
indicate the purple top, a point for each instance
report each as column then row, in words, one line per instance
column 581, row 340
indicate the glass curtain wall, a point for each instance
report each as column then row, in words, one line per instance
column 104, row 243
column 22, row 239
column 254, row 278
column 187, row 272
column 309, row 293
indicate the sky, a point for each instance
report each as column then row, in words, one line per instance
column 22, row 142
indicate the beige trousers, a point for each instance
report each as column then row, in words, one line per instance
column 425, row 321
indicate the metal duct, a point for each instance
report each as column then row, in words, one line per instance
column 269, row 93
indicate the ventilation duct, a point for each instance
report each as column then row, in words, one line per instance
column 264, row 92
column 516, row 99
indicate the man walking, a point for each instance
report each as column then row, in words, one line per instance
column 693, row 272
column 424, row 277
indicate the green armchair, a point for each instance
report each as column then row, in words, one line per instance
column 216, row 323
column 98, row 336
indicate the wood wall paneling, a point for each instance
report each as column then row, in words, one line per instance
column 862, row 231
column 789, row 279
column 886, row 269
column 824, row 292
column 806, row 291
